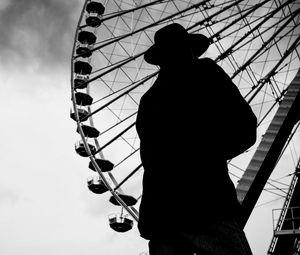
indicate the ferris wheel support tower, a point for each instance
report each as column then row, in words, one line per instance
column 286, row 238
column 268, row 152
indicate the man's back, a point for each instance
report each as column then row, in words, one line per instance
column 183, row 124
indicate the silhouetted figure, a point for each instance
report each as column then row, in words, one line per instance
column 190, row 122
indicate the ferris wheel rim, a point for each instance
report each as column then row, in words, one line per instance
column 91, row 155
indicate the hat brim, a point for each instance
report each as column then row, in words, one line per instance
column 198, row 43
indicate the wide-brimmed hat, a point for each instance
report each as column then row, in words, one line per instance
column 174, row 37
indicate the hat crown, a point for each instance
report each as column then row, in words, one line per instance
column 174, row 39
column 173, row 33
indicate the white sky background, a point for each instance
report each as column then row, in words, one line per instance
column 45, row 206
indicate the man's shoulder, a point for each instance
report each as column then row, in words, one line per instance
column 206, row 62
column 211, row 67
column 208, row 67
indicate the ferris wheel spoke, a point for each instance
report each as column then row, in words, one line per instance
column 272, row 72
column 290, row 138
column 115, row 66
column 261, row 120
column 270, row 182
column 121, row 121
column 243, row 16
column 251, row 31
column 123, row 12
column 123, row 94
column 113, row 139
column 275, row 43
column 114, row 40
column 256, row 54
column 208, row 19
column 217, row 36
column 112, row 92
column 118, row 67
column 127, row 157
column 127, row 177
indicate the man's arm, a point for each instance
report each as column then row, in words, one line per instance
column 238, row 119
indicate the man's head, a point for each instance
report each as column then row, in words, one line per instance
column 173, row 43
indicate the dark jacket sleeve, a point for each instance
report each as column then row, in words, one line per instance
column 237, row 119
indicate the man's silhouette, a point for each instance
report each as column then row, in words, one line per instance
column 190, row 122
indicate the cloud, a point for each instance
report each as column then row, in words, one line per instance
column 37, row 32
column 4, row 4
column 8, row 197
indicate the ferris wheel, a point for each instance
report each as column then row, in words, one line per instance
column 256, row 42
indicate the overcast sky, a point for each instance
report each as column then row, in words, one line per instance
column 45, row 206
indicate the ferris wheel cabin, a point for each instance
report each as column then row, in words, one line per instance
column 82, row 72
column 80, row 149
column 120, row 223
column 103, row 164
column 83, row 99
column 88, row 131
column 82, row 115
column 127, row 199
column 94, row 12
column 86, row 40
column 96, row 185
